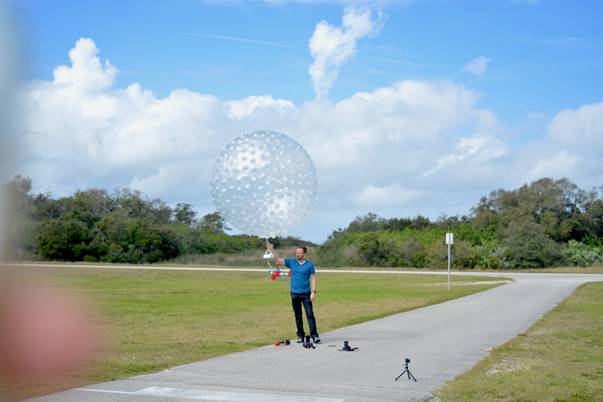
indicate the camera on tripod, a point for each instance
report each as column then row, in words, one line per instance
column 406, row 371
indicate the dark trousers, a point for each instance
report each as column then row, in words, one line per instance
column 297, row 299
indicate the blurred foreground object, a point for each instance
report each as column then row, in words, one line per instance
column 46, row 333
column 8, row 68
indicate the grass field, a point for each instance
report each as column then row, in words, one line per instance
column 568, row 270
column 560, row 358
column 160, row 319
column 249, row 258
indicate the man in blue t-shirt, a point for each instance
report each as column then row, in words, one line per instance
column 303, row 290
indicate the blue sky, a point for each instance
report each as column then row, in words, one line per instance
column 550, row 50
column 538, row 58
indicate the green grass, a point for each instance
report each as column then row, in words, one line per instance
column 246, row 258
column 560, row 358
column 159, row 319
column 569, row 270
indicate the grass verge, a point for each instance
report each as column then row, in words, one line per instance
column 160, row 319
column 560, row 358
column 569, row 270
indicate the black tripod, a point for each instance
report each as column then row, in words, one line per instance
column 406, row 371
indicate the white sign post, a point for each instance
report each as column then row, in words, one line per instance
column 449, row 242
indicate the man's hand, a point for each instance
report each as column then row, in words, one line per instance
column 312, row 288
column 270, row 247
column 279, row 262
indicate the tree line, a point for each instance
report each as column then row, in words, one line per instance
column 545, row 223
column 123, row 227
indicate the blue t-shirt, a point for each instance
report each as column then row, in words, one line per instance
column 300, row 274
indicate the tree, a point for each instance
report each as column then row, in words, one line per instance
column 64, row 239
column 213, row 223
column 373, row 250
column 367, row 223
column 119, row 238
column 397, row 224
column 485, row 214
column 412, row 253
column 89, row 206
column 184, row 213
column 420, row 222
column 528, row 246
column 45, row 207
column 21, row 226
column 594, row 220
column 136, row 205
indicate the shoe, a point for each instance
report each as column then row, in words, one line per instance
column 300, row 340
column 315, row 338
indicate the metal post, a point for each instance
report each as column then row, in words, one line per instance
column 449, row 267
column 449, row 243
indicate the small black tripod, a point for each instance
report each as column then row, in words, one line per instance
column 406, row 371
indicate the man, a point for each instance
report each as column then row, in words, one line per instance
column 303, row 290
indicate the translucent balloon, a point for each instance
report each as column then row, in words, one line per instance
column 263, row 183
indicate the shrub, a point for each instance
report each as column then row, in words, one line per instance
column 63, row 239
column 528, row 246
column 437, row 255
column 413, row 253
column 581, row 254
column 464, row 255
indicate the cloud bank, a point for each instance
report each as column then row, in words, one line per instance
column 406, row 148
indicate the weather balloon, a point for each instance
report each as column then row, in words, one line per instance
column 263, row 183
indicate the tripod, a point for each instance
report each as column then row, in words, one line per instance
column 406, row 371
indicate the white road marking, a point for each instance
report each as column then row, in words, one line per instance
column 231, row 269
column 205, row 394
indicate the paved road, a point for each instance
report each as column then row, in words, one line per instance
column 442, row 341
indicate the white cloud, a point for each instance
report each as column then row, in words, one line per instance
column 253, row 104
column 86, row 72
column 386, row 131
column 180, row 179
column 477, row 149
column 572, row 147
column 331, row 46
column 387, row 196
column 477, row 66
column 579, row 129
column 561, row 164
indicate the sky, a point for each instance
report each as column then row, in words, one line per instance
column 406, row 107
